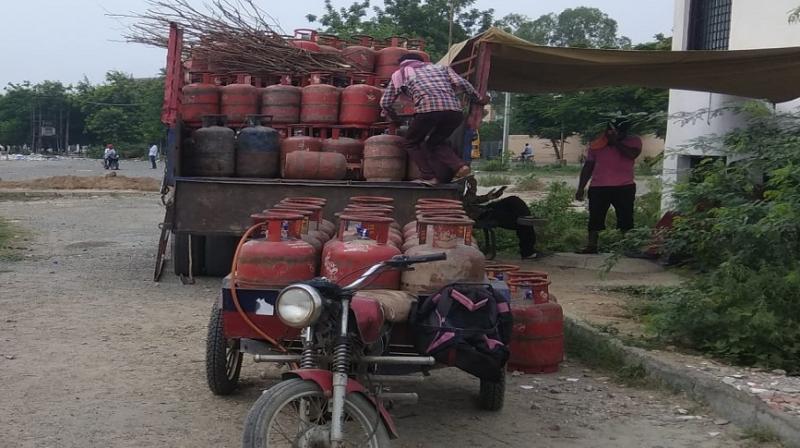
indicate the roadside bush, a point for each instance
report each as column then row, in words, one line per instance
column 499, row 164
column 125, row 150
column 739, row 229
column 565, row 228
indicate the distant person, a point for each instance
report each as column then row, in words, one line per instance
column 504, row 213
column 437, row 114
column 609, row 164
column 108, row 154
column 153, row 155
column 527, row 153
column 109, row 148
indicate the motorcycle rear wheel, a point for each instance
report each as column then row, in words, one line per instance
column 492, row 394
column 278, row 411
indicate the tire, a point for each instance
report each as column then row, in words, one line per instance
column 180, row 253
column 280, row 396
column 492, row 395
column 223, row 358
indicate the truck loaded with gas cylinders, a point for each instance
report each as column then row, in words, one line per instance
column 241, row 140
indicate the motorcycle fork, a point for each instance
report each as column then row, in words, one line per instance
column 341, row 367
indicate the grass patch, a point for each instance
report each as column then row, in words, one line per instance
column 759, row 436
column 493, row 180
column 494, row 165
column 528, row 183
column 10, row 237
column 550, row 169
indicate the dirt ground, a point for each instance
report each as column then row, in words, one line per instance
column 17, row 170
column 94, row 354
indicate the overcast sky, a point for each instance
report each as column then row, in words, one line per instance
column 67, row 39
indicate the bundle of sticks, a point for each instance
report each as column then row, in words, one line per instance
column 234, row 35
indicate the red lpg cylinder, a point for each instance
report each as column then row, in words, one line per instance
column 344, row 260
column 350, row 148
column 371, row 200
column 417, row 46
column 384, row 158
column 319, row 102
column 327, row 226
column 388, row 59
column 282, row 102
column 279, row 257
column 305, row 39
column 536, row 290
column 239, row 100
column 314, row 224
column 315, row 165
column 395, row 237
column 464, row 263
column 537, row 339
column 329, row 43
column 298, row 143
column 199, row 99
column 361, row 56
column 500, row 271
column 360, row 102
column 314, row 239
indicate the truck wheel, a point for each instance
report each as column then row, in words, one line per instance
column 275, row 420
column 493, row 394
column 223, row 358
column 180, row 254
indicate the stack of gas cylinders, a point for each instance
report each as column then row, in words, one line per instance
column 323, row 126
column 537, row 342
column 294, row 242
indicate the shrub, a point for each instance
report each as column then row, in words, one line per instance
column 565, row 226
column 738, row 227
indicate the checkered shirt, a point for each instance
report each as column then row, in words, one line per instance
column 432, row 88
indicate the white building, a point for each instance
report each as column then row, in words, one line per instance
column 718, row 25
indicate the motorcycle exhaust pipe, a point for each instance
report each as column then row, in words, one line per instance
column 396, row 398
column 396, row 379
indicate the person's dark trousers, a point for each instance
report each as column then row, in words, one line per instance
column 505, row 213
column 425, row 142
column 153, row 161
column 621, row 198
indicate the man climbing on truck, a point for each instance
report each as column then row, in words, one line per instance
column 438, row 112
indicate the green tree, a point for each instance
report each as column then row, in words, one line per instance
column 427, row 19
column 580, row 27
column 558, row 116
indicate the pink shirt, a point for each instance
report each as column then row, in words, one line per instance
column 611, row 168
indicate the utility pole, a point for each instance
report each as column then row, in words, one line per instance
column 506, row 124
column 450, row 31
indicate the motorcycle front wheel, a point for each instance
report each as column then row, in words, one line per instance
column 296, row 413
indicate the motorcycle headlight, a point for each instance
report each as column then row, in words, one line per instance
column 299, row 306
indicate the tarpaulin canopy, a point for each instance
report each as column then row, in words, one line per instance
column 511, row 64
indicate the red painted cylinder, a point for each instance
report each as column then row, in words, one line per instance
column 500, row 271
column 327, row 226
column 417, row 46
column 536, row 290
column 384, row 158
column 299, row 143
column 278, row 257
column 314, row 224
column 329, row 43
column 361, row 58
column 319, row 103
column 344, row 260
column 239, row 100
column 537, row 339
column 372, row 200
column 350, row 148
column 199, row 99
column 360, row 105
column 314, row 239
column 305, row 39
column 388, row 61
column 315, row 165
column 282, row 102
column 464, row 263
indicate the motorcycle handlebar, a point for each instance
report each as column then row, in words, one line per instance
column 398, row 261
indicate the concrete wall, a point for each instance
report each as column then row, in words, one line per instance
column 754, row 24
column 573, row 148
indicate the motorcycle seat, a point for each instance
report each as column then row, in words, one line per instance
column 396, row 305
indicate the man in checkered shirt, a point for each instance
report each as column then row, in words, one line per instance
column 438, row 112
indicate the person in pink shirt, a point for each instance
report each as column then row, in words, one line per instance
column 609, row 165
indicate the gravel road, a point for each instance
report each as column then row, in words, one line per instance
column 93, row 354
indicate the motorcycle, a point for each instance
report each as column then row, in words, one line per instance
column 335, row 398
column 111, row 162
